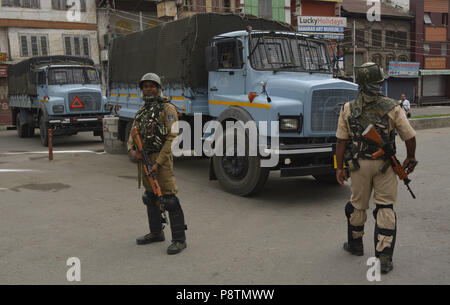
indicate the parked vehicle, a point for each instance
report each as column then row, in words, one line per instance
column 217, row 66
column 58, row 92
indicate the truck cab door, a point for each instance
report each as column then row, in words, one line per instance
column 227, row 83
column 41, row 85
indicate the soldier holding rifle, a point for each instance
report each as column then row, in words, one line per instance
column 154, row 128
column 369, row 169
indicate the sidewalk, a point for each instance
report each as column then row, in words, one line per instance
column 418, row 111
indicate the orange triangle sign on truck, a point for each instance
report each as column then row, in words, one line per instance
column 77, row 103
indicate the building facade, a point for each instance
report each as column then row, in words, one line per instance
column 325, row 8
column 381, row 42
column 40, row 28
column 431, row 35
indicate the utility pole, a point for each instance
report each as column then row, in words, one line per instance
column 354, row 49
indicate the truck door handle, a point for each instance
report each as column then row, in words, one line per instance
column 213, row 89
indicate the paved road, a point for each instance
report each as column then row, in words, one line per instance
column 87, row 205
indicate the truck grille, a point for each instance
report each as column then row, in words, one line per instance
column 326, row 106
column 92, row 101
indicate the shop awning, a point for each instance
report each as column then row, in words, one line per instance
column 434, row 72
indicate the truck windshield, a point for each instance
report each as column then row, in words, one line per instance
column 73, row 75
column 288, row 52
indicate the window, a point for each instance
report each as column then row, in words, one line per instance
column 21, row 3
column 360, row 38
column 376, row 38
column 230, row 57
column 73, row 75
column 427, row 18
column 444, row 49
column 426, row 49
column 288, row 53
column 390, row 38
column 402, row 40
column 41, row 78
column 76, row 45
column 33, row 45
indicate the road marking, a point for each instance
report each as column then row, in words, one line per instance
column 17, row 170
column 55, row 152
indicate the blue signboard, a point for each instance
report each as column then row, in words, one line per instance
column 404, row 69
column 326, row 29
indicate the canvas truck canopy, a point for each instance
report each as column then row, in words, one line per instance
column 175, row 50
column 21, row 77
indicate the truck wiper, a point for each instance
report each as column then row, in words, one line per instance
column 288, row 67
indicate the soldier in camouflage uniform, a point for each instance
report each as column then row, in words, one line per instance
column 368, row 175
column 157, row 124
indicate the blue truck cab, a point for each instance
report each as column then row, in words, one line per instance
column 62, row 93
column 282, row 79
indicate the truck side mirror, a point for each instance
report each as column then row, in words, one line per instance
column 211, row 57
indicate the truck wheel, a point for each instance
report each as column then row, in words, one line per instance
column 21, row 129
column 329, row 178
column 240, row 175
column 30, row 131
column 43, row 130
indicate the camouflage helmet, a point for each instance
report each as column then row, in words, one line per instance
column 369, row 73
column 150, row 77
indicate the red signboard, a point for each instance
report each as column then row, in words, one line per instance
column 5, row 112
column 3, row 70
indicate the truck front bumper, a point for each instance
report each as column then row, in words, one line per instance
column 72, row 125
column 305, row 160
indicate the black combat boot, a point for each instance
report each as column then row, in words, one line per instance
column 386, row 263
column 154, row 220
column 355, row 247
column 177, row 225
column 150, row 238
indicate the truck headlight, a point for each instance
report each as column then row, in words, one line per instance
column 58, row 108
column 289, row 124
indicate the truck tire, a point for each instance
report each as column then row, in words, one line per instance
column 43, row 130
column 240, row 175
column 329, row 178
column 30, row 131
column 22, row 131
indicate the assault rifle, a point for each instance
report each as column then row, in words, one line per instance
column 385, row 149
column 147, row 166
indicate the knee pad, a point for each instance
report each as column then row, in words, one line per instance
column 149, row 198
column 354, row 232
column 171, row 203
column 389, row 233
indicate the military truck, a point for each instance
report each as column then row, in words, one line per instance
column 58, row 92
column 231, row 68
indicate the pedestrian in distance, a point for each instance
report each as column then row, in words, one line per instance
column 406, row 105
